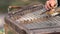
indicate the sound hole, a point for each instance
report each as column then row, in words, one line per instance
column 22, row 32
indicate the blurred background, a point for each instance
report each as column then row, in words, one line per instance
column 5, row 3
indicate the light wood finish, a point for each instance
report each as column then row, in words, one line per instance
column 8, row 28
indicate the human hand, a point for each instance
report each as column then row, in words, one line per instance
column 50, row 4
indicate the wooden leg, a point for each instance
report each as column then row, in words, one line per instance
column 6, row 28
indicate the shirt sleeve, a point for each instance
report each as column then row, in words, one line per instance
column 58, row 2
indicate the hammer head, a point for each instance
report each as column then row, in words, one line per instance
column 52, row 12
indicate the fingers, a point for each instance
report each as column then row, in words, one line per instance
column 50, row 4
column 47, row 6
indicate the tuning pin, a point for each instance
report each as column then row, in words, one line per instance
column 25, row 20
column 21, row 20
